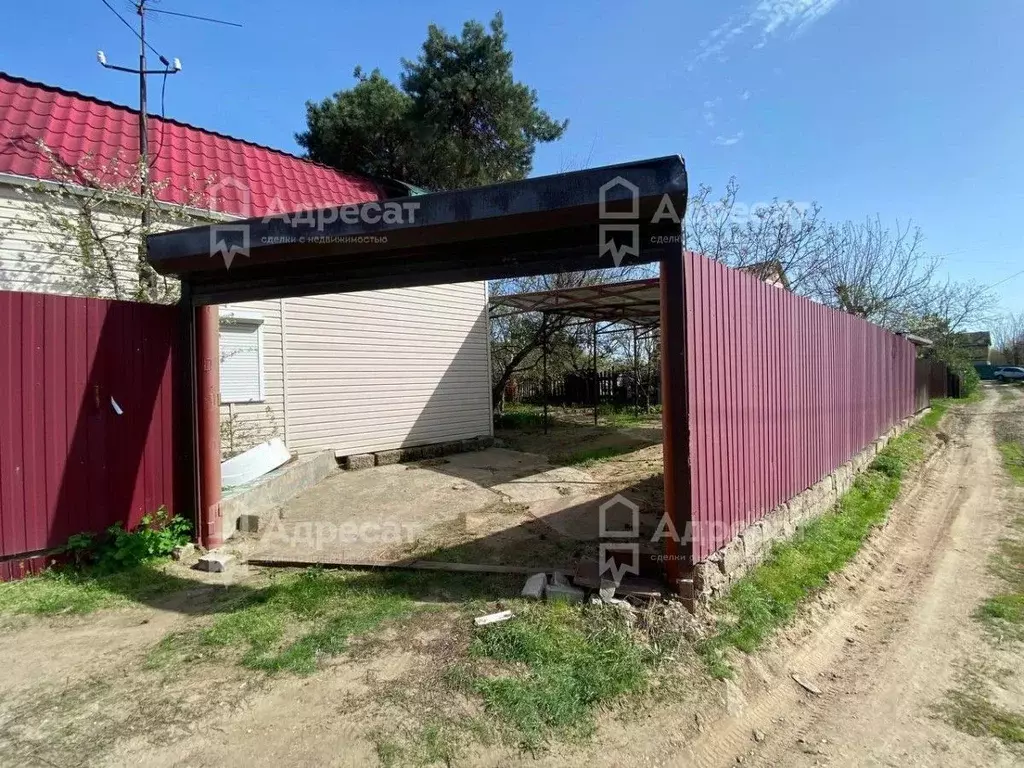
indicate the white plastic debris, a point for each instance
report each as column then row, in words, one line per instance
column 492, row 618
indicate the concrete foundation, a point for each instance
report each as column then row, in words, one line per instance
column 265, row 494
column 713, row 577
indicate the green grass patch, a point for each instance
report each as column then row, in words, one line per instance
column 553, row 666
column 521, row 418
column 300, row 619
column 67, row 591
column 769, row 596
column 589, row 456
column 972, row 713
column 1013, row 460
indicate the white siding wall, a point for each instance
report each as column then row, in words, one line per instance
column 365, row 371
column 387, row 369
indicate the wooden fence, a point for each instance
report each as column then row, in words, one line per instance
column 87, row 430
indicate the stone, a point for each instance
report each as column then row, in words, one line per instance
column 753, row 542
column 359, row 461
column 215, row 562
column 383, row 458
column 534, row 586
column 183, row 551
column 248, row 523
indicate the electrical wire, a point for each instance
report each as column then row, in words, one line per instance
column 135, row 32
column 197, row 18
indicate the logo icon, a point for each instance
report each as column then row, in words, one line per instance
column 619, row 518
column 230, row 195
column 628, row 240
column 229, row 240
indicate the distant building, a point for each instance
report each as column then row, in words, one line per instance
column 977, row 345
column 770, row 272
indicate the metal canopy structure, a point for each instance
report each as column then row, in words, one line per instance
column 535, row 226
column 635, row 302
column 631, row 305
column 544, row 225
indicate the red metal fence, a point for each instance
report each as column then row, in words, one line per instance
column 781, row 391
column 86, row 425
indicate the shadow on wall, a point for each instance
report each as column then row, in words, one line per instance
column 87, row 434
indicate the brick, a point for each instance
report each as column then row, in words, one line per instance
column 359, row 461
column 248, row 523
column 534, row 586
column 383, row 458
column 215, row 562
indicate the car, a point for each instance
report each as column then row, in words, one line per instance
column 1010, row 373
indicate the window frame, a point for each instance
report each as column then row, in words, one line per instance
column 255, row 320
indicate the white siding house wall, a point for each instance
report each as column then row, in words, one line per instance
column 386, row 369
column 365, row 371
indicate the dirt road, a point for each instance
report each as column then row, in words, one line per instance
column 895, row 633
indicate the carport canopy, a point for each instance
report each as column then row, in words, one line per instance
column 632, row 302
column 584, row 220
column 535, row 226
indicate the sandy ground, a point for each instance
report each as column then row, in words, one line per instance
column 882, row 646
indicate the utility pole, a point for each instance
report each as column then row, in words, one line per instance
column 147, row 279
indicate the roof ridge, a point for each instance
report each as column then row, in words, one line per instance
column 170, row 120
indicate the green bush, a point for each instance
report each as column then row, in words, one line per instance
column 118, row 549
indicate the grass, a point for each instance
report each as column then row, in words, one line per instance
column 557, row 665
column 1013, row 460
column 972, row 713
column 587, row 457
column 65, row 591
column 769, row 596
column 301, row 619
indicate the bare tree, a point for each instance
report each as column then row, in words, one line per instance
column 741, row 235
column 1008, row 338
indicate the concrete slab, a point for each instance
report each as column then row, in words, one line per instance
column 471, row 508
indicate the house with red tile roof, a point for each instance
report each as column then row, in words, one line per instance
column 352, row 373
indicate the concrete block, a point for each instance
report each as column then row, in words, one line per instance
column 534, row 586
column 215, row 562
column 733, row 560
column 248, row 523
column 753, row 541
column 183, row 551
column 382, row 458
column 708, row 579
column 359, row 461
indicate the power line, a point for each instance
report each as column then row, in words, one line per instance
column 135, row 32
column 197, row 18
column 1007, row 279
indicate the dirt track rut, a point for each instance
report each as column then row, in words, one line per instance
column 892, row 635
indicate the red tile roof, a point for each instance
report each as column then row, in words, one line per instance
column 195, row 164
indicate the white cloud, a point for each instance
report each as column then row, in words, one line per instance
column 745, row 96
column 769, row 18
column 728, row 141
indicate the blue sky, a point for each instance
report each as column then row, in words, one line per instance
column 909, row 109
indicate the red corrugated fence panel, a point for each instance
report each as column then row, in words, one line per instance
column 785, row 390
column 69, row 462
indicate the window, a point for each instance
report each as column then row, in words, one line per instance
column 241, row 357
